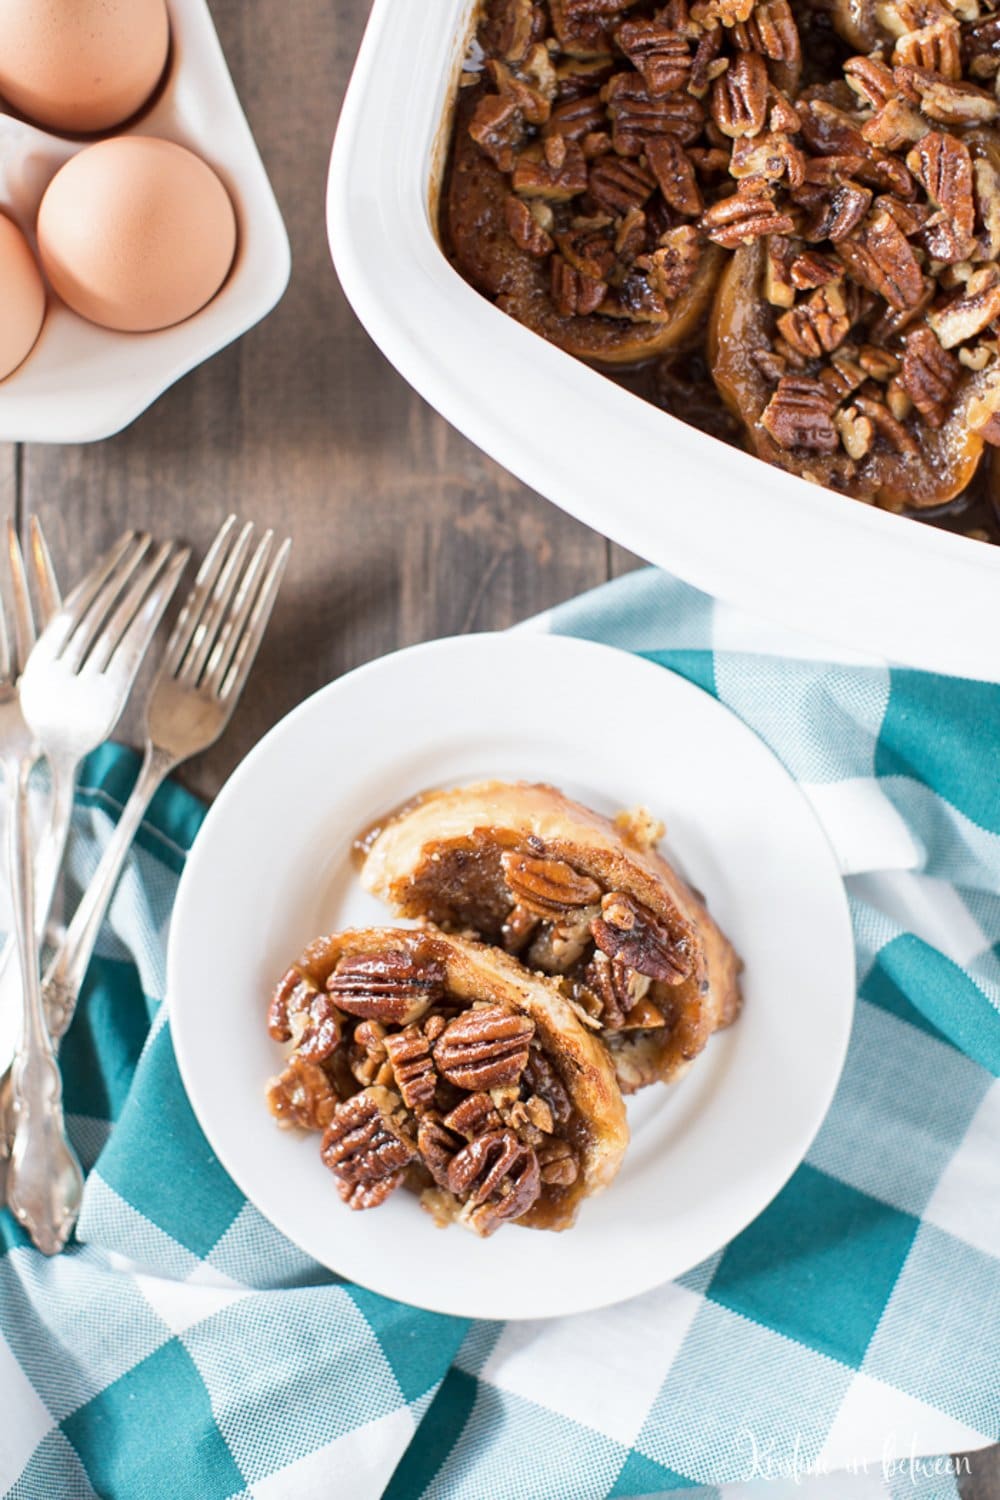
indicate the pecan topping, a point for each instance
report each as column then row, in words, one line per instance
column 800, row 415
column 947, row 103
column 943, row 167
column 936, row 48
column 541, row 1078
column 437, row 1147
column 293, row 993
column 674, row 171
column 618, row 988
column 577, row 118
column 547, row 887
column 558, row 1167
column 770, row 29
column 887, row 426
column 879, row 256
column 636, row 115
column 413, row 1067
column 672, row 266
column 981, row 47
column 556, row 171
column 472, row 1116
column 497, row 1177
column 367, row 1146
column 894, row 125
column 632, row 933
column 574, row 293
column 484, row 1049
column 963, row 317
column 386, row 986
column 302, row 1095
column 524, row 228
column 616, row 185
column 812, row 268
column 769, row 155
column 930, row 375
column 839, row 213
column 819, row 324
column 739, row 96
column 497, row 127
column 871, row 80
column 856, row 432
column 661, row 55
column 588, row 246
column 750, row 213
column 779, row 255
column 316, row 1031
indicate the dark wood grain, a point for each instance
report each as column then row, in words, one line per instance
column 402, row 530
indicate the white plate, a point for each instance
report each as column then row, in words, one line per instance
column 81, row 382
column 738, row 528
column 271, row 869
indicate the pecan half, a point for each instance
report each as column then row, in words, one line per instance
column 497, row 127
column 930, row 375
column 558, row 1166
column 895, row 125
column 745, row 216
column 618, row 988
column 838, row 213
column 770, row 29
column 887, row 425
column 392, row 987
column 547, row 887
column 302, row 1096
column 800, row 415
column 632, row 933
column 616, row 185
column 812, row 268
column 316, row 1031
column 661, row 55
column 880, row 257
column 472, row 1116
column 674, row 171
column 818, row 325
column 739, row 96
column 671, row 267
column 497, row 1177
column 937, row 47
column 574, row 294
column 947, row 103
column 943, row 167
column 555, row 171
column 484, row 1049
column 524, row 228
column 871, row 80
column 965, row 316
column 636, row 115
column 510, row 27
column 293, row 993
column 367, row 1145
column 409, row 1053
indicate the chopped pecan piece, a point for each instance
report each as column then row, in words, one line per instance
column 632, row 933
column 963, row 317
column 497, row 1177
column 895, row 125
column 871, row 79
column 838, row 213
column 367, row 1145
column 316, row 1031
column 930, row 375
column 616, row 185
column 877, row 363
column 770, row 156
column 887, row 425
column 986, row 184
column 437, row 1146
column 548, row 887
column 534, row 105
column 671, row 267
column 727, row 12
column 800, row 415
column 779, row 289
column 981, row 48
column 510, row 27
column 936, row 47
column 739, row 96
column 618, row 987
column 812, row 269
column 745, row 216
column 302, row 1095
column 518, row 927
column 577, row 117
column 497, row 127
column 541, row 1078
column 660, row 54
column 856, row 432
column 524, row 228
column 413, row 1067
column 636, row 115
column 984, row 414
column 369, row 1060
column 484, row 1049
column 674, row 171
column 770, row 29
column 844, row 374
column 706, row 64
column 580, row 35
column 392, row 987
column 472, row 1116
column 556, row 170
column 574, row 293
column 955, row 104
column 293, row 993
column 588, row 246
column 820, row 324
column 558, row 1166
column 880, row 257
column 831, row 131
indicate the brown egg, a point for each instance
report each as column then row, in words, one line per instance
column 81, row 65
column 22, row 298
column 136, row 233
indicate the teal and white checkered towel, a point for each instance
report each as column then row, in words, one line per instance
column 183, row 1348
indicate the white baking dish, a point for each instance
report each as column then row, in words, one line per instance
column 82, row 382
column 721, row 519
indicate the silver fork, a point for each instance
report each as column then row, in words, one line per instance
column 207, row 662
column 72, row 686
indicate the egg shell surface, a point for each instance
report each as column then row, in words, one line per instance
column 22, row 298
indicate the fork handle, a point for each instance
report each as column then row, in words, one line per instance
column 68, row 968
column 44, row 1184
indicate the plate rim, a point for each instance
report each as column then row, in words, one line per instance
column 515, row 637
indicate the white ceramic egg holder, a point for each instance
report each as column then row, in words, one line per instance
column 81, row 382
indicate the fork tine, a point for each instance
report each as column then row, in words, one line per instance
column 46, row 583
column 145, row 589
column 236, row 617
column 187, row 621
column 24, row 623
column 249, row 643
column 215, row 610
column 87, row 622
column 6, row 665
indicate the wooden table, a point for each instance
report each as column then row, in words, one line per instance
column 402, row 530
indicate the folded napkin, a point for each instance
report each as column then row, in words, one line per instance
column 182, row 1347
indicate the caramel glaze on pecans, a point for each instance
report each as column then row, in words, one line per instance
column 615, row 162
